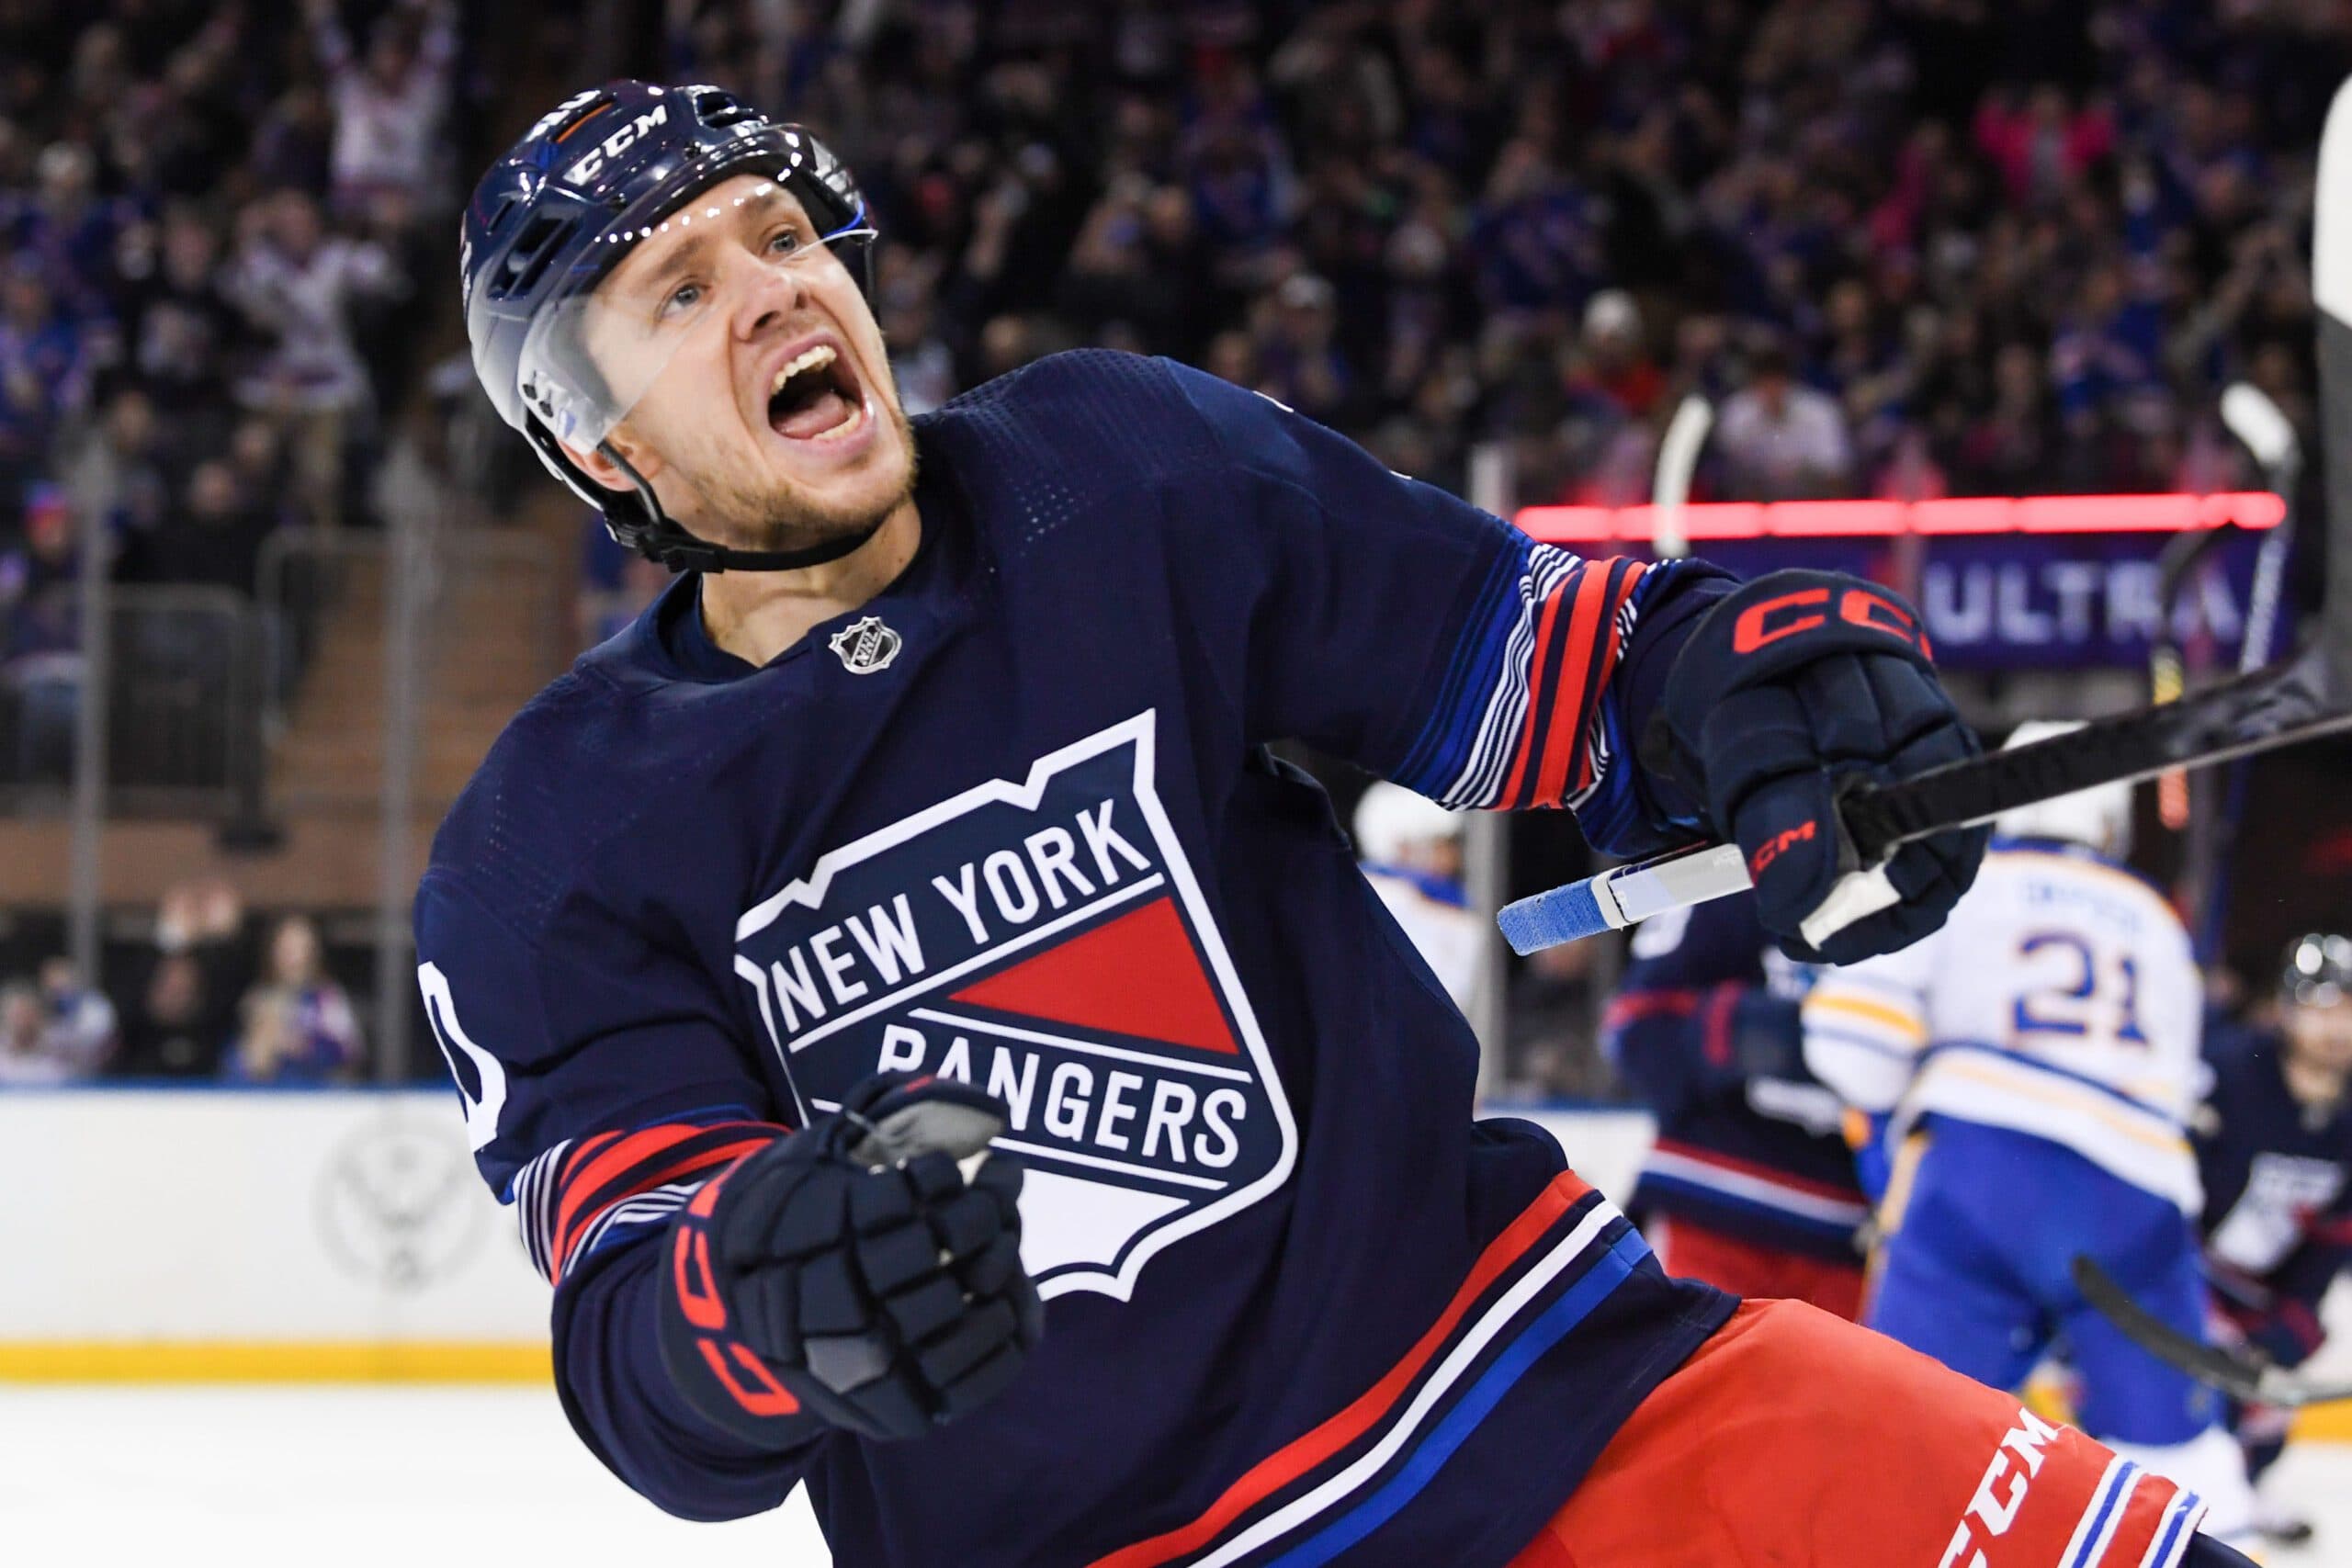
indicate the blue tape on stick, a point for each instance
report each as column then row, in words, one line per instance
column 1547, row 919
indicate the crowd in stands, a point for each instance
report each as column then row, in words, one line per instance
column 212, row 214
column 209, row 991
column 1909, row 247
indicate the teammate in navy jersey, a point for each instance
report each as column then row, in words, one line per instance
column 941, row 1057
column 1750, row 1184
column 2274, row 1148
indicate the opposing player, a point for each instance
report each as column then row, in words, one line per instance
column 2274, row 1150
column 1410, row 848
column 2035, row 1062
column 1750, row 1184
column 923, row 834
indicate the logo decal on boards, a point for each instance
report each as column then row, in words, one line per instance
column 866, row 645
column 1046, row 940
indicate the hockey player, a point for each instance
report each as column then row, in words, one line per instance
column 920, row 850
column 1750, row 1184
column 2274, row 1150
column 2035, row 1061
column 1410, row 848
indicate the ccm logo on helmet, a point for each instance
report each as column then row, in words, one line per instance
column 588, row 167
column 1769, row 620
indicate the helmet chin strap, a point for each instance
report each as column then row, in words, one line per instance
column 686, row 553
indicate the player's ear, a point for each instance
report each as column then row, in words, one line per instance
column 600, row 466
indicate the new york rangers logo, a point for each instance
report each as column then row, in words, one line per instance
column 866, row 645
column 1046, row 940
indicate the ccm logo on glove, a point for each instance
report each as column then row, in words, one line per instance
column 864, row 1273
column 1771, row 848
column 1788, row 688
column 1786, row 615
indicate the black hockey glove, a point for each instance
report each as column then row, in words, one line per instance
column 854, row 1271
column 1790, row 686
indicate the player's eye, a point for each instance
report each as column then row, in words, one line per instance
column 783, row 242
column 684, row 298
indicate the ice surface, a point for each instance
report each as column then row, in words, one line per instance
column 450, row 1478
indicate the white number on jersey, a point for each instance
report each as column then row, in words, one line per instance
column 441, row 1011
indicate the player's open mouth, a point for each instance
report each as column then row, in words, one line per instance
column 815, row 396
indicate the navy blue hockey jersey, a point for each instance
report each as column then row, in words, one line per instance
column 1013, row 822
column 1756, row 1154
column 2278, row 1185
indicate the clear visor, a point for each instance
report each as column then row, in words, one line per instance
column 593, row 354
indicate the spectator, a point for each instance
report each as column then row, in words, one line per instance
column 25, row 1059
column 180, row 330
column 78, row 1022
column 54, row 1031
column 298, row 285
column 1779, row 439
column 213, row 536
column 297, row 1024
column 41, row 638
column 388, row 106
column 175, row 1029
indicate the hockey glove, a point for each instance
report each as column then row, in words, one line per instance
column 1750, row 1033
column 1791, row 688
column 855, row 1270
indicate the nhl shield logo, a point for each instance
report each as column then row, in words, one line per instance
column 1044, row 939
column 866, row 645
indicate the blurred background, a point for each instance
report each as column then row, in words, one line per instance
column 272, row 574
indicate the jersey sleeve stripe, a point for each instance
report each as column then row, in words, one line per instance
column 1539, row 667
column 1871, row 1044
column 567, row 1198
column 1903, row 1024
column 1566, row 705
column 2096, row 1529
column 1591, row 747
column 2169, row 1541
column 605, row 1159
column 694, row 1162
column 1525, row 717
column 1588, row 741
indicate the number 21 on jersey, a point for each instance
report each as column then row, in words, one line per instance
column 2076, row 992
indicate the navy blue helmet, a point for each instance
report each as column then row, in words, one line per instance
column 554, row 215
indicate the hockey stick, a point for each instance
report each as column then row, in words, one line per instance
column 2241, row 1376
column 1678, row 458
column 2296, row 700
column 2168, row 661
column 2255, row 420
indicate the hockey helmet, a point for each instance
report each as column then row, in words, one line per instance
column 2099, row 817
column 602, row 170
column 1390, row 817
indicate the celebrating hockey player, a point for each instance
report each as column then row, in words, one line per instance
column 1749, row 1184
column 2274, row 1149
column 920, row 850
column 2034, row 1064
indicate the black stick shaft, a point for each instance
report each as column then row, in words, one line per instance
column 2275, row 707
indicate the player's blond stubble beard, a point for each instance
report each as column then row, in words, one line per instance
column 790, row 516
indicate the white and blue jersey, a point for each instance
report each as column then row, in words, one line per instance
column 2060, row 1000
column 2043, row 1048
